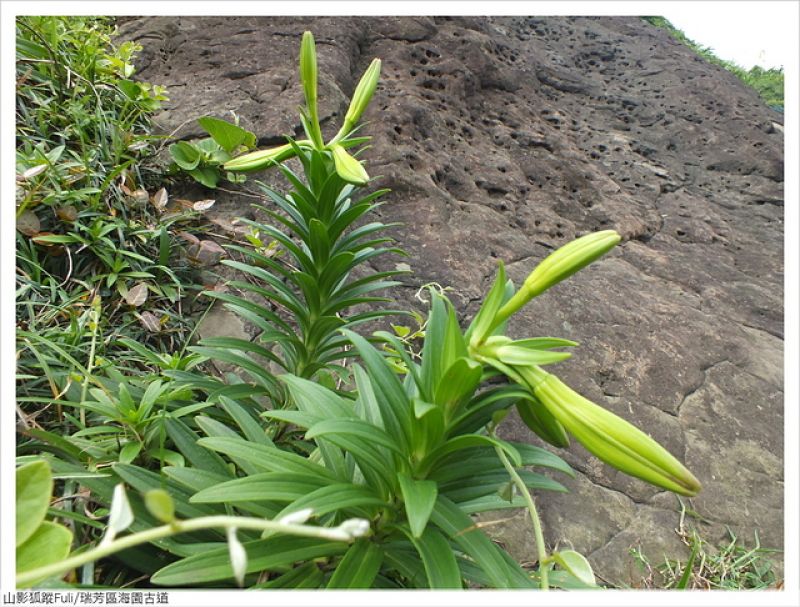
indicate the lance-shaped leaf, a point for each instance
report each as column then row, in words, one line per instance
column 348, row 167
column 541, row 421
column 419, row 497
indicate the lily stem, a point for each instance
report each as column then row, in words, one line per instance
column 541, row 548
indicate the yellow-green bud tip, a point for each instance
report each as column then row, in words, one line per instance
column 570, row 258
column 348, row 167
column 361, row 98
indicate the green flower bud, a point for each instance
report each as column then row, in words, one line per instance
column 308, row 77
column 610, row 438
column 568, row 259
column 557, row 266
column 262, row 159
column 361, row 98
column 348, row 167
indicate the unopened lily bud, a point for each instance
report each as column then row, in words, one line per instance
column 557, row 266
column 308, row 76
column 570, row 258
column 262, row 159
column 611, row 438
column 361, row 98
column 348, row 167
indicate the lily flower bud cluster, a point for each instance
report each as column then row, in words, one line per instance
column 347, row 166
column 552, row 409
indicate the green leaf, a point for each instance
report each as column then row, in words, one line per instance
column 269, row 459
column 268, row 486
column 683, row 583
column 49, row 544
column 378, row 470
column 439, row 559
column 129, row 452
column 186, row 441
column 228, row 136
column 34, row 488
column 536, row 456
column 145, row 480
column 315, row 399
column 419, row 497
column 353, row 427
column 483, row 483
column 391, row 397
column 262, row 555
column 359, row 566
column 336, row 498
column 458, row 383
column 576, row 564
column 208, row 176
column 479, row 328
column 465, row 441
column 461, row 528
column 185, row 155
column 247, row 423
column 308, row 576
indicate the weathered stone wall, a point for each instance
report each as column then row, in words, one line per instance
column 502, row 138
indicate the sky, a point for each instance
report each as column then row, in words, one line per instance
column 747, row 34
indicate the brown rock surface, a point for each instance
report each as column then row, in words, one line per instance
column 503, row 138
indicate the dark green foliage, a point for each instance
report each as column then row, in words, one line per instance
column 319, row 276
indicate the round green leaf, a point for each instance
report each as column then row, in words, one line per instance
column 576, row 564
column 49, row 543
column 34, row 487
column 185, row 155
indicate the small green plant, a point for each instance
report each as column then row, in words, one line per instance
column 204, row 159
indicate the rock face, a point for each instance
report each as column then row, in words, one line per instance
column 502, row 138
